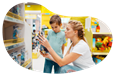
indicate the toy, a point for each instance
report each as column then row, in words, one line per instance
column 98, row 28
column 103, row 44
column 94, row 42
column 111, row 44
column 98, row 45
column 99, row 39
column 15, row 33
column 95, row 25
column 105, row 41
column 42, row 48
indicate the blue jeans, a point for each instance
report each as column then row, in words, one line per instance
column 69, row 68
column 48, row 66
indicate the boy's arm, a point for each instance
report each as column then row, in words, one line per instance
column 63, row 46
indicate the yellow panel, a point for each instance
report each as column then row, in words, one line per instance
column 46, row 19
column 33, row 7
column 89, row 36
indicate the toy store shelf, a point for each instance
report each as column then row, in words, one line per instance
column 100, row 53
column 101, row 33
column 10, row 20
column 9, row 42
column 107, row 59
column 25, row 65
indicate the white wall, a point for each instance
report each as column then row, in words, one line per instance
column 110, row 23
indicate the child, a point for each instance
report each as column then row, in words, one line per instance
column 57, row 40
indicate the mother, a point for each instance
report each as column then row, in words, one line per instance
column 79, row 52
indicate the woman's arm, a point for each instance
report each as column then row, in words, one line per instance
column 47, row 55
column 61, row 62
column 66, row 60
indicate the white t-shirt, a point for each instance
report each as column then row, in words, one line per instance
column 85, row 60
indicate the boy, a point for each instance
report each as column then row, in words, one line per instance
column 57, row 40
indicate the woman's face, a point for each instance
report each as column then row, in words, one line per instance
column 69, row 32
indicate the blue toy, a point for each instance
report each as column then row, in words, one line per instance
column 95, row 22
column 15, row 33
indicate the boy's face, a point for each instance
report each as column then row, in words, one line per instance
column 55, row 27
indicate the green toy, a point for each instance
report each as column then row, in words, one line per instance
column 98, row 45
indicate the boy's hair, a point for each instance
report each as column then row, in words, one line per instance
column 55, row 19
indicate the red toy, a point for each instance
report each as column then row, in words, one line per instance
column 111, row 44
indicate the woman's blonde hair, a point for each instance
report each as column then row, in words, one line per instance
column 77, row 25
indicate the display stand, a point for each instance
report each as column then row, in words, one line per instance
column 104, row 30
column 17, row 48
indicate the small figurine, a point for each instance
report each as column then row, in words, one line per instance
column 98, row 28
column 15, row 33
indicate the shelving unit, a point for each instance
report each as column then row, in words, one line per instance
column 17, row 50
column 104, row 30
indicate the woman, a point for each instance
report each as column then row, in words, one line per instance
column 79, row 52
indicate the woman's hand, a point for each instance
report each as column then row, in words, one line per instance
column 43, row 41
column 47, row 55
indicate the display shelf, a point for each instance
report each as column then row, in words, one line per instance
column 26, row 65
column 104, row 31
column 10, row 46
column 100, row 53
column 14, row 46
column 10, row 20
column 107, row 59
column 22, row 43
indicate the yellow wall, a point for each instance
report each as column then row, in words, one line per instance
column 33, row 7
column 46, row 19
column 75, row 12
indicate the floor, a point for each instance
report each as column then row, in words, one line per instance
column 38, row 64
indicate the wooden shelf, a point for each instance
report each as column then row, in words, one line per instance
column 27, row 63
column 108, row 59
column 101, row 33
column 100, row 53
column 10, row 19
